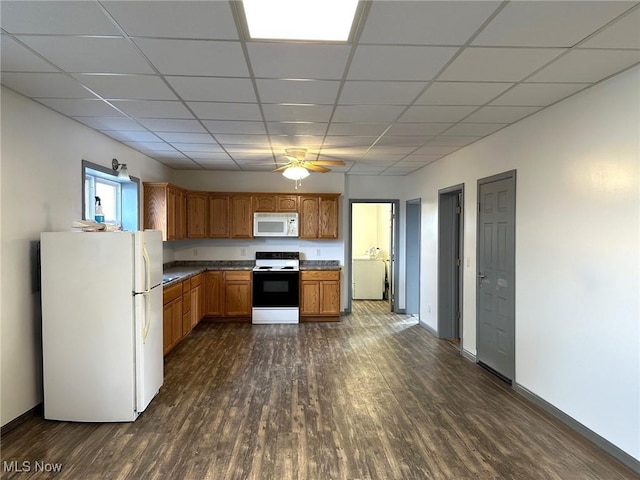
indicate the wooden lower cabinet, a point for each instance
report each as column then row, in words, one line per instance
column 320, row 294
column 186, row 307
column 172, row 317
column 197, row 300
column 213, row 293
column 228, row 293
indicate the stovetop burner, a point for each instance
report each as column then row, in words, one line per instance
column 277, row 261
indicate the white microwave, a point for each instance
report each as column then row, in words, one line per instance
column 275, row 224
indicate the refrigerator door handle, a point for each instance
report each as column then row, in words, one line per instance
column 147, row 264
column 147, row 319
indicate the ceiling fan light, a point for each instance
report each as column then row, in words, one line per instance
column 296, row 173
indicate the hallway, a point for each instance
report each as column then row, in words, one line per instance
column 372, row 397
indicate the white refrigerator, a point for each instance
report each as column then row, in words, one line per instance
column 101, row 324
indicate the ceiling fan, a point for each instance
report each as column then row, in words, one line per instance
column 297, row 168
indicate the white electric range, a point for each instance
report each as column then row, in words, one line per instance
column 276, row 283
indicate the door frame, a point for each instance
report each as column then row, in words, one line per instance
column 413, row 209
column 510, row 174
column 394, row 281
column 450, row 292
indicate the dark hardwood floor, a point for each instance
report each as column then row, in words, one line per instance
column 372, row 397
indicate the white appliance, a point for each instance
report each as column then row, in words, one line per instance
column 276, row 287
column 368, row 279
column 101, row 324
column 275, row 224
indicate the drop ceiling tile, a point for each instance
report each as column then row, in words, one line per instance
column 376, row 93
column 169, row 155
column 423, row 129
column 381, row 157
column 230, row 126
column 195, row 57
column 250, row 157
column 298, row 60
column 242, row 139
column 365, row 170
column 367, row 113
column 292, row 128
column 184, row 137
column 111, row 123
column 134, row 87
column 420, row 159
column 151, row 147
column 436, row 113
column 398, row 171
column 365, row 129
column 298, row 91
column 89, row 55
column 333, row 141
column 172, row 125
column 426, row 23
column 402, row 140
column 181, row 164
column 498, row 64
column 344, row 153
column 131, row 136
column 17, row 58
column 45, row 85
column 298, row 113
column 153, row 108
column 214, row 89
column 218, row 164
column 80, row 107
column 451, row 141
column 280, row 142
column 500, row 114
column 384, row 62
column 382, row 150
column 226, row 111
column 197, row 147
column 429, row 150
column 474, row 129
column 461, row 93
column 548, row 24
column 55, row 17
column 621, row 34
column 587, row 66
column 538, row 94
column 174, row 19
column 209, row 156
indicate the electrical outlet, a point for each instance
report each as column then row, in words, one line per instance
column 429, row 308
column 195, row 252
column 243, row 252
column 318, row 252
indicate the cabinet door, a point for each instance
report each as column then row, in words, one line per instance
column 309, row 214
column 196, row 305
column 171, row 214
column 167, row 328
column 181, row 215
column 176, row 321
column 197, row 204
column 309, row 297
column 328, row 218
column 155, row 207
column 237, row 294
column 264, row 203
column 218, row 224
column 241, row 216
column 330, row 297
column 213, row 294
column 186, row 309
column 287, row 203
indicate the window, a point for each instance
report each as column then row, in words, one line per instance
column 118, row 198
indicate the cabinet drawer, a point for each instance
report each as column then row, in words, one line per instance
column 171, row 293
column 196, row 280
column 242, row 275
column 320, row 275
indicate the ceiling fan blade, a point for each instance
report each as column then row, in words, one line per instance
column 268, row 163
column 328, row 162
column 281, row 169
column 316, row 168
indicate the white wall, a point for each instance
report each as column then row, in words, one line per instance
column 577, row 254
column 41, row 190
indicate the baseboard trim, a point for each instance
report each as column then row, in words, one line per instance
column 601, row 442
column 428, row 328
column 468, row 355
column 16, row 422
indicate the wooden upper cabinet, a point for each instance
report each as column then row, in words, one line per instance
column 165, row 210
column 287, row 203
column 218, row 216
column 264, row 203
column 328, row 217
column 308, row 216
column 241, row 216
column 197, row 210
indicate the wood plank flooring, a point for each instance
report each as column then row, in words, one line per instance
column 372, row 397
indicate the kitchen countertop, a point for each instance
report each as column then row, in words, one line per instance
column 175, row 272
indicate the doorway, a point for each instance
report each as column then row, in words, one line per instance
column 373, row 241
column 495, row 300
column 450, row 259
column 413, row 209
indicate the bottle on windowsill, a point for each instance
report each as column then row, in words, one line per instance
column 99, row 216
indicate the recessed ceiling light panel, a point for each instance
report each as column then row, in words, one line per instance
column 314, row 20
